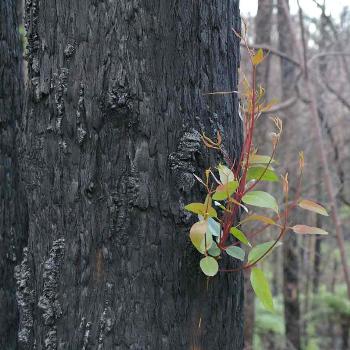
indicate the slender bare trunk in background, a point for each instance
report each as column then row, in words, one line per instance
column 290, row 247
column 262, row 36
column 263, row 24
column 316, row 126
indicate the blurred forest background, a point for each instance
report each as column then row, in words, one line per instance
column 309, row 47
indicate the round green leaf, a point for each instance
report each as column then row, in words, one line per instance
column 259, row 250
column 214, row 250
column 255, row 173
column 226, row 174
column 209, row 266
column 236, row 252
column 260, row 199
column 214, row 227
column 224, row 191
column 199, row 236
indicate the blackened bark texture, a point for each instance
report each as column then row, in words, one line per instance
column 12, row 204
column 112, row 136
column 290, row 246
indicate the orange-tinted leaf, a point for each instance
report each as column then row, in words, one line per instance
column 258, row 57
column 199, row 236
column 312, row 206
column 261, row 218
column 259, row 159
column 269, row 105
column 308, row 230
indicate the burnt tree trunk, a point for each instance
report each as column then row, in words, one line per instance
column 12, row 204
column 111, row 140
column 290, row 246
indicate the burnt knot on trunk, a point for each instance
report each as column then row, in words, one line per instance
column 183, row 161
column 117, row 106
column 25, row 298
column 48, row 301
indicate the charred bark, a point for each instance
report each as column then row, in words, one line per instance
column 12, row 204
column 112, row 129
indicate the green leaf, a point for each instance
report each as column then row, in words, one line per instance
column 260, row 249
column 312, row 206
column 236, row 252
column 254, row 173
column 239, row 235
column 197, row 208
column 258, row 57
column 226, row 174
column 261, row 199
column 214, row 227
column 200, row 209
column 214, row 250
column 212, row 213
column 261, row 288
column 199, row 236
column 209, row 266
column 224, row 191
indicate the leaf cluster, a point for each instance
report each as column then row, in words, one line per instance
column 231, row 188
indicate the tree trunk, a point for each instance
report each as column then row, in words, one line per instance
column 262, row 36
column 290, row 250
column 263, row 25
column 13, row 220
column 112, row 139
column 345, row 327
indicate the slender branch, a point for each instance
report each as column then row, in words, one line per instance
column 340, row 98
column 281, row 106
column 325, row 54
column 274, row 51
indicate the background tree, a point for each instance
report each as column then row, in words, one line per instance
column 290, row 251
column 263, row 25
column 322, row 292
column 111, row 139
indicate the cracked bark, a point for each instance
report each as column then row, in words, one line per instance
column 12, row 204
column 110, row 140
